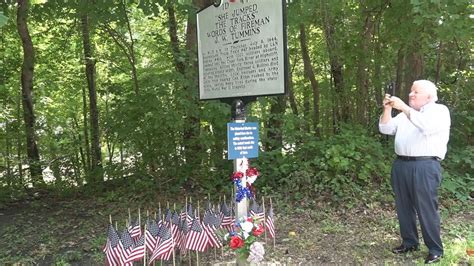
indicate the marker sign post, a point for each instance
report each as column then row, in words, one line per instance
column 242, row 49
column 242, row 54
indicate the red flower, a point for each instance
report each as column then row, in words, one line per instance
column 259, row 230
column 236, row 242
column 251, row 171
column 237, row 176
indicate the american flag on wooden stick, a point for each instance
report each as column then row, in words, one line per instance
column 256, row 211
column 196, row 239
column 189, row 215
column 127, row 243
column 136, row 251
column 181, row 241
column 269, row 223
column 227, row 219
column 113, row 248
column 164, row 248
column 209, row 228
column 151, row 234
column 174, row 225
column 135, row 230
column 168, row 216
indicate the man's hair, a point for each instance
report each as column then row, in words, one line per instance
column 430, row 88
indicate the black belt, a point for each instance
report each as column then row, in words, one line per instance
column 417, row 158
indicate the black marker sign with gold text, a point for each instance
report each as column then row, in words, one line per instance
column 242, row 49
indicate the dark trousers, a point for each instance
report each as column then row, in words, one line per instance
column 415, row 184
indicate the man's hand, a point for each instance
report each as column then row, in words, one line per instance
column 386, row 103
column 397, row 103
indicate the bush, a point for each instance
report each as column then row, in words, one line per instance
column 343, row 165
column 457, row 175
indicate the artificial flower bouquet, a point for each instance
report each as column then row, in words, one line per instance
column 244, row 183
column 243, row 239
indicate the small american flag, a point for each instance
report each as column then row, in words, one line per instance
column 269, row 223
column 174, row 225
column 127, row 244
column 165, row 247
column 151, row 234
column 209, row 228
column 138, row 250
column 168, row 216
column 135, row 230
column 189, row 215
column 256, row 211
column 181, row 242
column 196, row 239
column 227, row 220
column 113, row 248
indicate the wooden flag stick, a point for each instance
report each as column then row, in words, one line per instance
column 264, row 219
column 271, row 206
column 163, row 224
column 139, row 220
column 129, row 215
column 110, row 218
column 144, row 256
column 173, row 243
column 190, row 253
column 197, row 252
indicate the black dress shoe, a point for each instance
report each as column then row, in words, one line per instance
column 432, row 258
column 403, row 249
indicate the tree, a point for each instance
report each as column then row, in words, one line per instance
column 27, row 73
column 96, row 171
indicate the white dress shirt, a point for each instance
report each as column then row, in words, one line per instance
column 425, row 133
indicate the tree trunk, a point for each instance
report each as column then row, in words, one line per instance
column 275, row 124
column 291, row 94
column 413, row 69
column 27, row 72
column 127, row 46
column 306, row 110
column 8, row 155
column 362, row 69
column 191, row 130
column 18, row 142
column 309, row 74
column 341, row 111
column 131, row 48
column 85, row 117
column 84, row 158
column 173, row 33
column 96, row 173
column 399, row 75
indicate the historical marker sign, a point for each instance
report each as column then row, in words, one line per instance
column 242, row 49
column 242, row 140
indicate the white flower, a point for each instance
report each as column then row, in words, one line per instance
column 257, row 251
column 247, row 226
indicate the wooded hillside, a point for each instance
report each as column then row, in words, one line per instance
column 104, row 90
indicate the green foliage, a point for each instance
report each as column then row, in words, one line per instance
column 3, row 19
column 457, row 177
column 343, row 165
